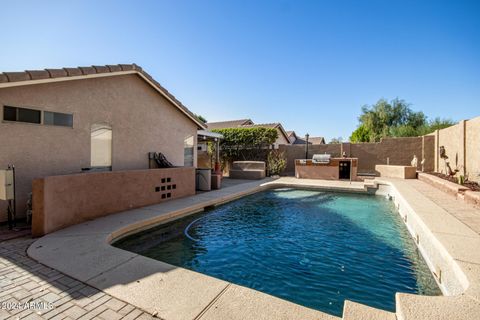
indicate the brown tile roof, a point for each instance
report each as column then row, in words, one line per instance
column 263, row 125
column 44, row 75
column 311, row 140
column 228, row 124
column 316, row 140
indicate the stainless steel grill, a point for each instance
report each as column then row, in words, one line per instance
column 321, row 158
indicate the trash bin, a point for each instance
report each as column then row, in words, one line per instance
column 204, row 179
column 216, row 181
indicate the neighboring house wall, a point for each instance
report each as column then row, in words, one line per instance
column 398, row 151
column 462, row 146
column 141, row 119
column 281, row 139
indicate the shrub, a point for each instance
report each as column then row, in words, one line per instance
column 245, row 143
column 276, row 162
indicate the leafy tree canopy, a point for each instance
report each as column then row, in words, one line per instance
column 394, row 119
column 246, row 143
column 247, row 137
column 361, row 134
column 336, row 140
column 200, row 117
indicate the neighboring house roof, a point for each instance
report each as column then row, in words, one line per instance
column 316, row 140
column 292, row 136
column 275, row 125
column 229, row 124
column 311, row 140
column 10, row 79
column 246, row 123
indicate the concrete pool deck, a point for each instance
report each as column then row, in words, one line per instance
column 83, row 252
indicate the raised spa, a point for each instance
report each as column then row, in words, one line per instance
column 309, row 247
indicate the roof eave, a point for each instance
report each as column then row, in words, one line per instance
column 139, row 72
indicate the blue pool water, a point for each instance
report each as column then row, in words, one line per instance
column 309, row 247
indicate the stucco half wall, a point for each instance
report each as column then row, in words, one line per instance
column 142, row 120
column 62, row 201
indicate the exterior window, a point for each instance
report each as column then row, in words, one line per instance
column 22, row 115
column 58, row 119
column 9, row 113
column 101, row 146
column 35, row 116
column 188, row 145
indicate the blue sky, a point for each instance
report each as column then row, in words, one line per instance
column 310, row 65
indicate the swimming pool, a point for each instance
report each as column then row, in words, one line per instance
column 309, row 247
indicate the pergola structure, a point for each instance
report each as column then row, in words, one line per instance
column 208, row 136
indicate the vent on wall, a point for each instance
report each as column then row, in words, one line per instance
column 166, row 186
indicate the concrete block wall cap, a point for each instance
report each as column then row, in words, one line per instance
column 73, row 72
column 3, row 78
column 114, row 67
column 38, row 74
column 17, row 76
column 88, row 70
column 57, row 73
column 101, row 69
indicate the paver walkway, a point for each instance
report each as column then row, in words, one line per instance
column 23, row 280
column 458, row 208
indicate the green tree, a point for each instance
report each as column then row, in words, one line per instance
column 394, row 119
column 361, row 134
column 385, row 119
column 201, row 118
column 438, row 123
column 336, row 140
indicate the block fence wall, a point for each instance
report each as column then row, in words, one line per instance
column 395, row 151
column 462, row 147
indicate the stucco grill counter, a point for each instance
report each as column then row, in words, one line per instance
column 327, row 168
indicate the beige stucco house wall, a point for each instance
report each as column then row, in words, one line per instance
column 142, row 120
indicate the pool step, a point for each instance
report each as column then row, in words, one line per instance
column 357, row 311
column 370, row 185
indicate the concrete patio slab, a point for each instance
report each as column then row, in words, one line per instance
column 460, row 307
column 245, row 304
column 462, row 248
column 82, row 257
column 358, row 311
column 175, row 293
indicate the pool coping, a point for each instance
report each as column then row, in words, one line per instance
column 84, row 252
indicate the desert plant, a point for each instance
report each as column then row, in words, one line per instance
column 276, row 162
column 461, row 179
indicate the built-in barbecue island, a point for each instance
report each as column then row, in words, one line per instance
column 323, row 166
